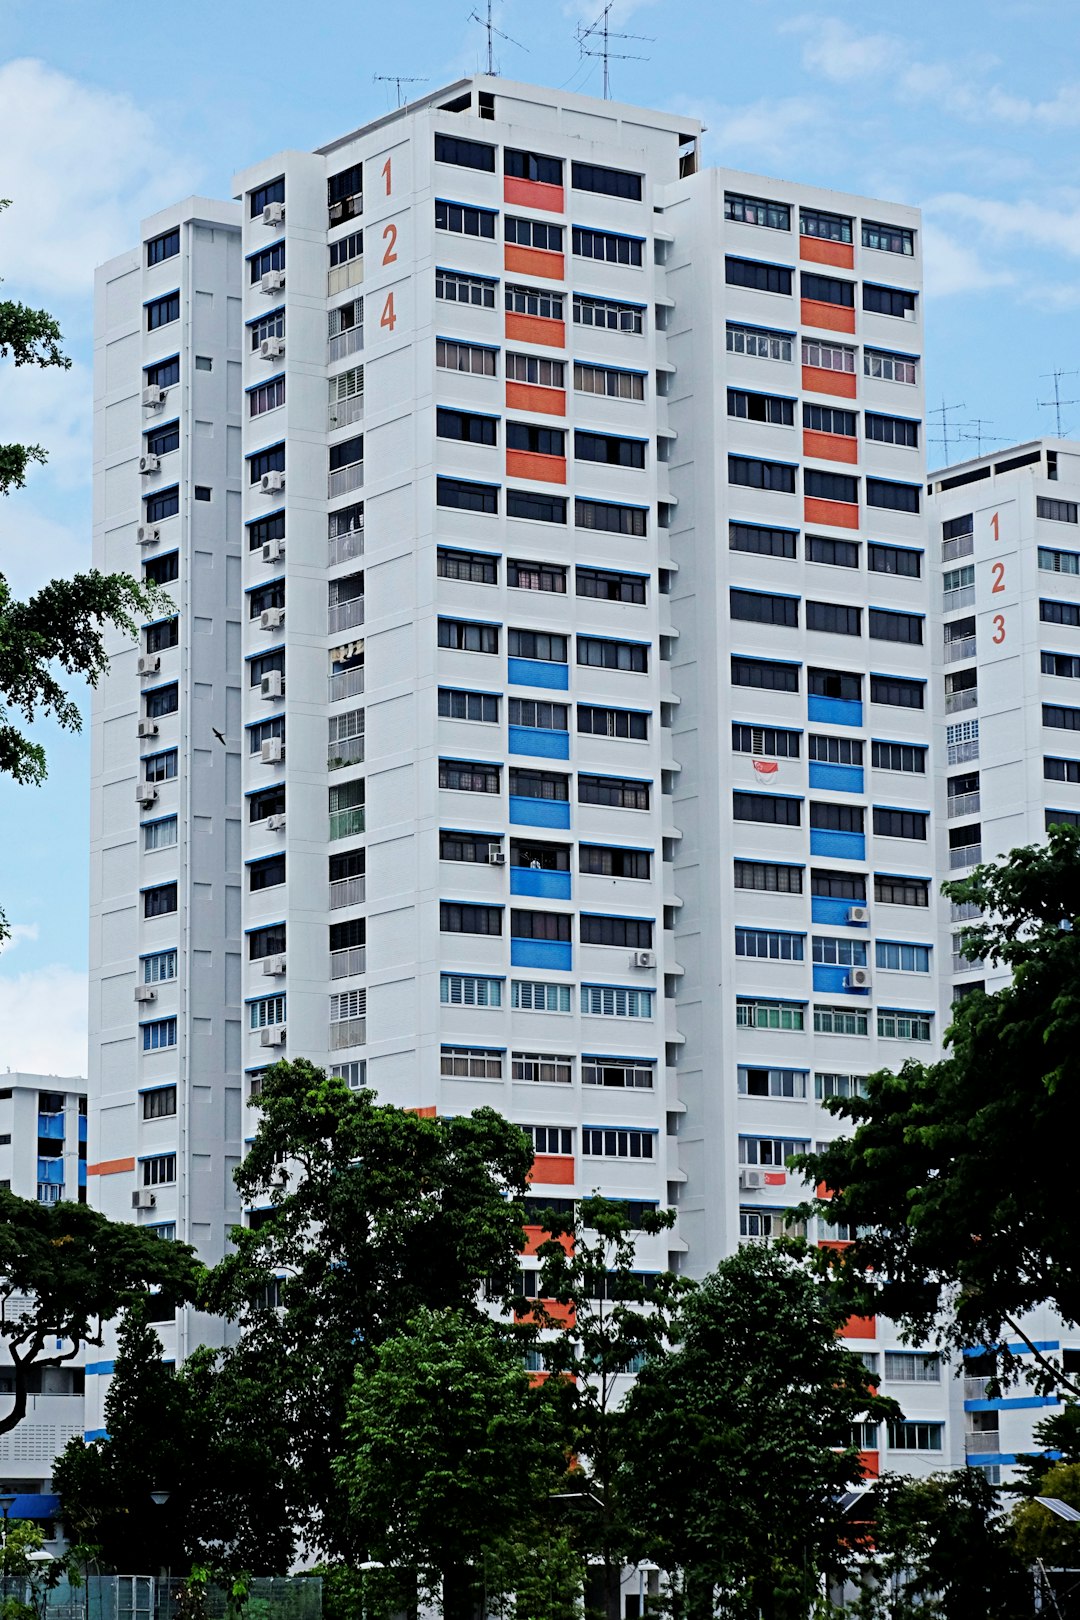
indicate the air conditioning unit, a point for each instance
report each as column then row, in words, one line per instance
column 145, row 992
column 143, row 1198
column 270, row 618
column 153, row 397
column 273, row 1035
column 273, row 213
column 144, row 793
column 270, row 483
column 272, row 685
column 275, row 823
column 857, row 979
column 337, row 212
column 273, row 281
column 273, row 549
column 496, row 855
column 751, row 1180
column 643, row 959
column 273, row 965
column 149, row 664
column 270, row 348
column 272, row 751
column 147, row 728
column 147, row 534
column 149, row 464
column 858, row 914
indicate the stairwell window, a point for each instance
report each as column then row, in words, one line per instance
column 163, row 311
column 159, row 1034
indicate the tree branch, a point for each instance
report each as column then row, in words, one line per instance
column 1060, row 1378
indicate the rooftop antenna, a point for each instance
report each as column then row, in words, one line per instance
column 943, row 411
column 1057, row 402
column 487, row 24
column 980, row 425
column 602, row 34
column 397, row 80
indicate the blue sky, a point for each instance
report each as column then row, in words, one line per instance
column 108, row 111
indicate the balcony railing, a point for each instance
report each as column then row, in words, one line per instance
column 964, row 964
column 986, row 1441
column 346, row 751
column 957, row 701
column 346, row 684
column 346, row 892
column 955, row 650
column 963, row 597
column 964, row 804
column 344, row 615
column 343, row 276
column 975, row 1389
column 351, row 341
column 350, row 1032
column 961, row 545
column 344, row 547
column 959, row 753
column 344, row 411
column 965, row 911
column 347, row 823
column 343, row 480
column 968, row 855
column 344, row 964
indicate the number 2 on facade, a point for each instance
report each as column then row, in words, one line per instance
column 389, row 236
column 997, row 571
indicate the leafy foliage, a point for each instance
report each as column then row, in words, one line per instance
column 1038, row 1531
column 30, row 1573
column 1060, row 1434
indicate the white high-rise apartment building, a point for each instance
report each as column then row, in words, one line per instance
column 584, row 720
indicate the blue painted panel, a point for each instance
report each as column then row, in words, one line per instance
column 537, row 672
column 824, row 910
column 1011, row 1403
column 541, row 885
column 847, row 846
column 547, row 744
column 82, row 1127
column 834, row 711
column 95, row 1434
column 837, row 778
column 82, row 1172
column 833, row 979
column 539, row 812
column 51, row 1170
column 99, row 1369
column 51, row 1125
column 33, row 1506
column 542, row 953
column 992, row 1459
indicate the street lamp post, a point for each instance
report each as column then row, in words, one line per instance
column 7, row 1502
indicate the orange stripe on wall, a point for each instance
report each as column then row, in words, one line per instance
column 423, row 1113
column 533, row 194
column 838, row 514
column 552, row 1170
column 859, row 1327
column 527, row 464
column 842, row 254
column 532, row 397
column 833, row 317
column 871, row 1464
column 536, row 329
column 528, row 261
column 820, row 381
column 829, row 446
column 110, row 1167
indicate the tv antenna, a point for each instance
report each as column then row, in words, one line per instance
column 397, row 80
column 980, row 424
column 1057, row 402
column 601, row 35
column 944, row 412
column 491, row 30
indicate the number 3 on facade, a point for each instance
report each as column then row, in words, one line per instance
column 999, row 629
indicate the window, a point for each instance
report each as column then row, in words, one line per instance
column 271, row 595
column 554, row 925
column 467, row 990
column 162, row 700
column 203, row 492
column 477, row 567
column 463, row 635
column 760, row 608
column 161, row 441
column 159, row 1034
column 764, row 675
column 892, row 430
column 456, row 288
column 159, row 967
column 537, row 372
column 759, row 341
column 761, row 541
column 160, row 767
column 827, row 290
column 534, row 233
column 609, row 450
column 1061, row 818
column 771, row 408
column 159, row 901
column 531, row 784
column 542, row 645
column 471, row 1063
column 466, row 426
column 636, row 933
column 895, row 301
column 166, row 246
column 617, row 792
column 466, row 154
column 606, row 585
column 1061, row 770
column 835, row 750
column 834, row 617
column 160, row 834
column 834, row 683
column 159, row 1171
column 900, row 823
column 607, row 246
column 262, row 196
column 898, row 958
column 598, row 722
column 346, row 249
column 900, row 560
column 469, row 847
column 266, row 397
column 772, row 278
column 901, row 368
column 767, row 878
column 160, row 1103
column 838, row 885
column 268, row 528
column 165, row 374
column 769, row 945
column 475, row 358
column 467, row 497
column 828, row 486
column 599, row 652
column 822, row 548
column 829, row 419
column 888, row 238
column 161, row 311
column 1067, row 613
column 903, row 1026
column 776, row 216
column 908, row 757
column 611, row 861
column 776, row 1150
column 769, row 808
column 617, row 1144
column 607, row 182
column 464, row 221
column 266, row 461
column 535, row 995
column 264, row 942
column 530, row 576
column 839, row 1085
column 751, row 1014
column 522, row 503
column 884, row 626
column 478, row 706
column 1056, row 511
column 769, row 1223
column 840, row 1021
column 1059, row 562
column 757, row 474
column 881, row 492
column 615, row 1001
column 163, row 635
column 268, row 873
column 828, row 227
column 900, row 694
column 345, row 187
column 607, row 314
column 771, row 1082
column 624, row 1074
column 826, row 356
column 836, row 817
column 164, row 504
column 262, row 263
column 464, row 777
column 900, row 891
column 465, row 919
column 1060, row 719
column 539, row 855
column 913, row 1366
column 535, row 438
column 546, row 171
column 607, row 380
column 839, row 952
column 610, row 517
column 540, row 1068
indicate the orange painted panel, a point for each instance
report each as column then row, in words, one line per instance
column 535, row 1235
column 836, row 1244
column 822, row 1191
column 859, row 1327
column 552, row 1170
column 535, row 329
column 833, row 317
column 536, row 1310
column 526, row 261
column 829, row 446
column 836, row 513
column 527, row 464
column 820, row 381
column 533, row 194
column 870, row 1461
column 423, row 1113
column 842, row 254
column 531, row 397
column 110, row 1167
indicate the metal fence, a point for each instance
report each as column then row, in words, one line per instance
column 150, row 1597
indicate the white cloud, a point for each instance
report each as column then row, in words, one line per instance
column 952, row 267
column 82, row 165
column 16, row 933
column 53, row 408
column 835, row 51
column 35, row 548
column 1029, row 221
column 769, row 131
column 43, row 1019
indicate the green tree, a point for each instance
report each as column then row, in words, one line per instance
column 1038, row 1532
column 737, row 1445
column 945, row 1170
column 65, row 1271
column 30, row 1573
column 450, row 1458
column 1059, row 1434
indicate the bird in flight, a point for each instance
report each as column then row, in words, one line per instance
column 218, row 735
